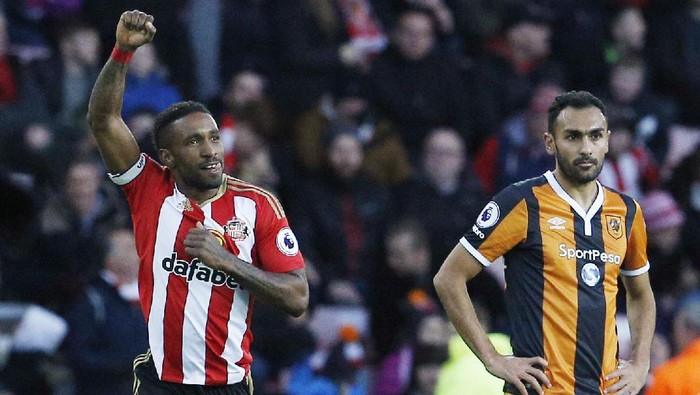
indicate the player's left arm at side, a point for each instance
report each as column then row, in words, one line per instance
column 641, row 307
column 641, row 313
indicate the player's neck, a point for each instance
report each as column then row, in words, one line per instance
column 583, row 193
column 197, row 194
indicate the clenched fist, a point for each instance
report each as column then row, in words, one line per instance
column 135, row 28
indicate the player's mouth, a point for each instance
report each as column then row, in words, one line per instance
column 212, row 167
column 586, row 163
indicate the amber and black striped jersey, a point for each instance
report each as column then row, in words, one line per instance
column 562, row 268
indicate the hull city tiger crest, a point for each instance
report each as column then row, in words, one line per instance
column 614, row 225
column 237, row 229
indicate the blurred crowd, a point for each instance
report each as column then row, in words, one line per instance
column 383, row 126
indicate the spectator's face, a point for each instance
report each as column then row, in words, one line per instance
column 345, row 156
column 122, row 258
column 579, row 143
column 530, row 39
column 404, row 257
column 542, row 97
column 194, row 152
column 247, row 141
column 83, row 46
column 415, row 36
column 626, row 83
column 444, row 158
column 141, row 125
column 245, row 87
column 81, row 186
column 620, row 141
column 630, row 29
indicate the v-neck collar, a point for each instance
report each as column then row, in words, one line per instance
column 587, row 216
column 183, row 202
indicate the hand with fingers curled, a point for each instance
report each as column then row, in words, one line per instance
column 135, row 29
column 521, row 373
column 627, row 379
column 206, row 245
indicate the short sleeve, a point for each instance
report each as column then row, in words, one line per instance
column 141, row 183
column 501, row 225
column 636, row 261
column 277, row 246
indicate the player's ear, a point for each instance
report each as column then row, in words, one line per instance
column 548, row 142
column 166, row 158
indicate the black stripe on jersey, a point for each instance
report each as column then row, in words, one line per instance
column 590, row 324
column 530, row 270
column 530, row 279
column 631, row 212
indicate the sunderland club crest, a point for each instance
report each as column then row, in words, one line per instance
column 237, row 229
column 614, row 225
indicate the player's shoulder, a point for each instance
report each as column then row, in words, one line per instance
column 623, row 198
column 520, row 190
column 260, row 195
column 529, row 184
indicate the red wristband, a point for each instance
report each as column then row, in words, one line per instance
column 121, row 56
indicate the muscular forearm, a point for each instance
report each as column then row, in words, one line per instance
column 455, row 299
column 641, row 312
column 288, row 292
column 107, row 95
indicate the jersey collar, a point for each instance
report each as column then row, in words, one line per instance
column 587, row 216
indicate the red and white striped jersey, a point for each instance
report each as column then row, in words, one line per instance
column 199, row 318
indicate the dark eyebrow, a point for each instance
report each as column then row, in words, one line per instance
column 193, row 135
column 576, row 131
column 197, row 134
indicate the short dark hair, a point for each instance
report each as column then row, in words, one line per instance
column 172, row 114
column 575, row 99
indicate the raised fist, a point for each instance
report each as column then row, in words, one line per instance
column 134, row 29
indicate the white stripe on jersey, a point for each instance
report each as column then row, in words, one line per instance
column 168, row 224
column 244, row 209
column 195, row 320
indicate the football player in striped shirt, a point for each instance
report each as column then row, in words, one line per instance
column 566, row 240
column 208, row 244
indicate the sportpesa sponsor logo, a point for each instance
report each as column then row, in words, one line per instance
column 589, row 255
column 195, row 270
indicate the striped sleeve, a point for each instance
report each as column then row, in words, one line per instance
column 500, row 226
column 636, row 261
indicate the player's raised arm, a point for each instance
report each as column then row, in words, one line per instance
column 114, row 139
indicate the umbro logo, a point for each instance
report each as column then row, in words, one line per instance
column 556, row 223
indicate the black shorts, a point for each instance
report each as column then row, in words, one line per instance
column 146, row 382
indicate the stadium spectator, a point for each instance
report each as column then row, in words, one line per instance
column 402, row 283
column 628, row 95
column 516, row 151
column 148, row 84
column 386, row 158
column 515, row 64
column 342, row 231
column 630, row 167
column 317, row 42
column 415, row 84
column 106, row 327
column 443, row 184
